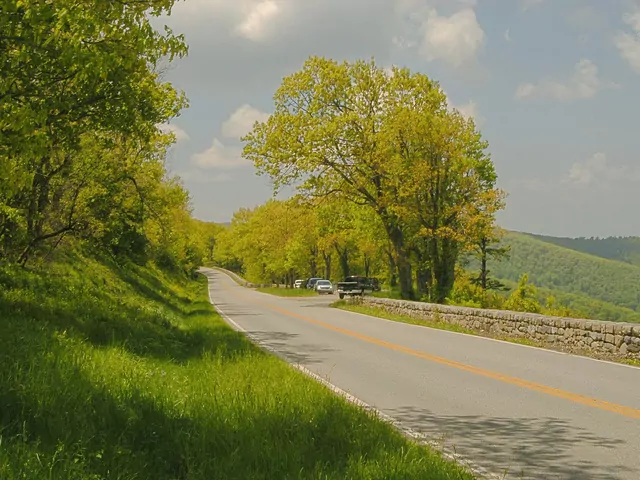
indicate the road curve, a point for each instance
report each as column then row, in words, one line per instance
column 526, row 412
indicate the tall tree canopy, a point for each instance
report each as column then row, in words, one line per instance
column 386, row 141
column 81, row 99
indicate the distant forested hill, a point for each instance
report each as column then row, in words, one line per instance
column 600, row 287
column 623, row 249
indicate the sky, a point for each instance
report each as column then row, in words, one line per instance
column 553, row 85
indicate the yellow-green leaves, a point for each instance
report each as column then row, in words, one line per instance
column 388, row 141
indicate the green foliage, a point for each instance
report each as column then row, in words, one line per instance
column 566, row 271
column 81, row 155
column 523, row 298
column 126, row 372
column 354, row 133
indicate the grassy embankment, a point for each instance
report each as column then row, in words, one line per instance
column 127, row 373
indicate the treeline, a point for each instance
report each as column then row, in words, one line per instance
column 281, row 241
column 623, row 249
column 384, row 143
column 82, row 153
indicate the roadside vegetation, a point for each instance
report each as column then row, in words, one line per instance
column 112, row 371
column 113, row 365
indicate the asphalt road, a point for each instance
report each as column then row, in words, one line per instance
column 529, row 412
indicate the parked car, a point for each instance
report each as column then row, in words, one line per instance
column 324, row 286
column 355, row 285
column 312, row 282
column 299, row 283
column 375, row 285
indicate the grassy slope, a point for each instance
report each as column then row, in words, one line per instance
column 574, row 276
column 128, row 374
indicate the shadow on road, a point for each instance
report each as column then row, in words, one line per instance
column 285, row 345
column 235, row 311
column 524, row 447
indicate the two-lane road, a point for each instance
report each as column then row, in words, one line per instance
column 533, row 413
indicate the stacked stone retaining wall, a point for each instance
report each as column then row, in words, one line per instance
column 612, row 338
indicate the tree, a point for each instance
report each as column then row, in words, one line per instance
column 339, row 130
column 72, row 70
column 524, row 298
column 488, row 246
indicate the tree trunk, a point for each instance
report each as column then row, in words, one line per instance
column 393, row 270
column 327, row 265
column 343, row 257
column 444, row 269
column 402, row 262
column 367, row 266
column 313, row 264
column 422, row 280
column 483, row 263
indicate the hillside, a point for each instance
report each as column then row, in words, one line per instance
column 623, row 249
column 599, row 286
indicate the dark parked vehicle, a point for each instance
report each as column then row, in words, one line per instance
column 311, row 284
column 355, row 285
column 375, row 284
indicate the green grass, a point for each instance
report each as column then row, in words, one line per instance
column 288, row 292
column 127, row 373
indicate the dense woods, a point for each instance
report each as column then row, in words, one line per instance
column 82, row 153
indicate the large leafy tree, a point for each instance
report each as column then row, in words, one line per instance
column 73, row 69
column 345, row 130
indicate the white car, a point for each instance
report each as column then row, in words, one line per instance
column 298, row 284
column 324, row 286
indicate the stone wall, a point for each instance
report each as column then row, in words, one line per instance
column 610, row 338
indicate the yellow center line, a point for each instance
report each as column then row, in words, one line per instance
column 537, row 387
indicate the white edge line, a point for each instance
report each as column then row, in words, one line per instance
column 406, row 431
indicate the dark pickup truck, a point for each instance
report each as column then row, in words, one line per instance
column 356, row 286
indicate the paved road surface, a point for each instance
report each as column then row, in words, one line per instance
column 506, row 407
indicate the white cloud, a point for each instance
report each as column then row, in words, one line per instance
column 470, row 110
column 628, row 43
column 258, row 19
column 507, row 35
column 467, row 110
column 583, row 83
column 242, row 120
column 220, row 156
column 455, row 39
column 595, row 169
column 175, row 129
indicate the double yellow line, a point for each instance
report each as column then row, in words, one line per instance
column 537, row 387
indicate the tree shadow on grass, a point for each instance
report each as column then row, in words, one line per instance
column 81, row 427
column 528, row 447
